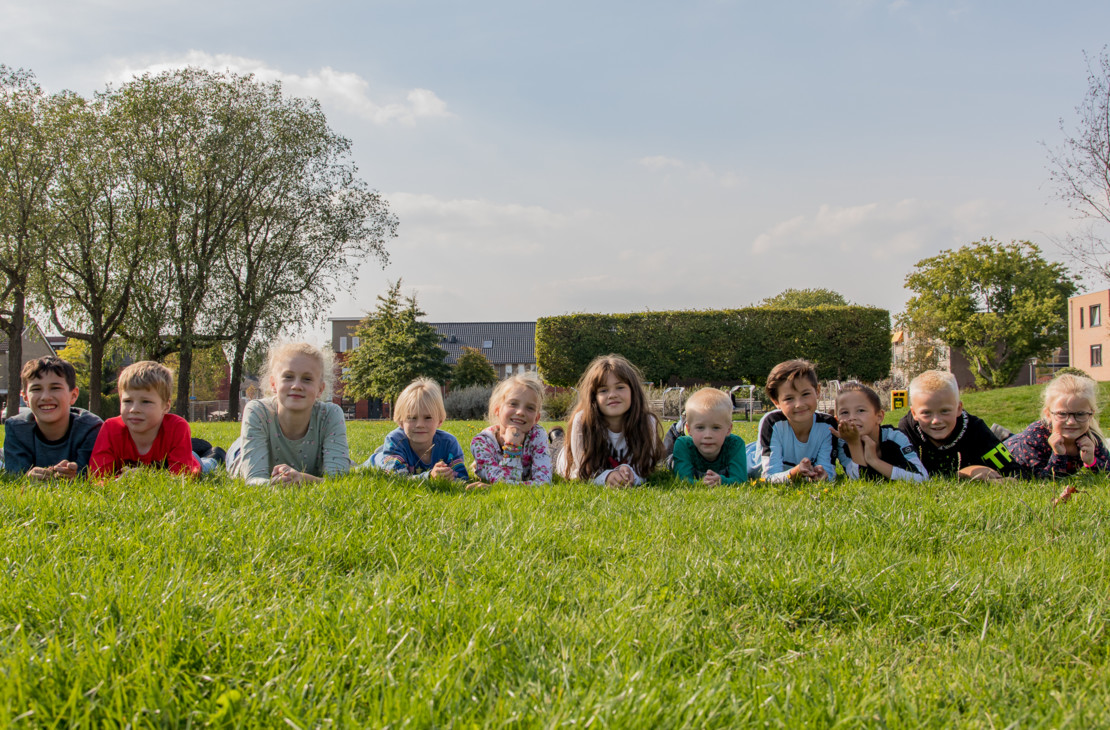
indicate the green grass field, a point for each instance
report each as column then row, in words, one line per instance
column 372, row 601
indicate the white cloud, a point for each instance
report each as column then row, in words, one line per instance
column 696, row 172
column 660, row 162
column 343, row 90
column 881, row 231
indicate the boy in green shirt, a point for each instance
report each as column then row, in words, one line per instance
column 709, row 452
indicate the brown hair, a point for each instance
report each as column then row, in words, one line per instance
column 641, row 428
column 788, row 372
column 854, row 386
column 147, row 375
column 48, row 365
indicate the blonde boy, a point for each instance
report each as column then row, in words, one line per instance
column 796, row 441
column 145, row 433
column 950, row 440
column 710, row 452
column 418, row 447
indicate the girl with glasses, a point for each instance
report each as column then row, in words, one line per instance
column 1067, row 438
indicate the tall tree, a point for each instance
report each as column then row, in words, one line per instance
column 203, row 162
column 1000, row 303
column 309, row 225
column 104, row 229
column 396, row 348
column 1080, row 170
column 804, row 299
column 472, row 368
column 28, row 162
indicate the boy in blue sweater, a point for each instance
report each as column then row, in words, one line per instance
column 54, row 439
column 795, row 440
column 418, row 448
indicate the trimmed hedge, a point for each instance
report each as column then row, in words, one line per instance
column 719, row 346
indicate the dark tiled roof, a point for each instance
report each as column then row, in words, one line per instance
column 511, row 342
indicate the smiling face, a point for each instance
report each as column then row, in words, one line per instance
column 142, row 410
column 1068, row 426
column 709, row 431
column 50, row 398
column 520, row 407
column 614, row 398
column 856, row 408
column 936, row 413
column 297, row 382
column 797, row 399
column 420, row 428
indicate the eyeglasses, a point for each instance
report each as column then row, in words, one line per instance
column 1078, row 417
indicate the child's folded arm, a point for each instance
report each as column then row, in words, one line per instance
column 335, row 451
column 254, row 463
column 737, row 465
column 18, row 457
column 684, row 459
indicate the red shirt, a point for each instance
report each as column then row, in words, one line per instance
column 115, row 449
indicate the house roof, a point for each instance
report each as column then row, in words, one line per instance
column 501, row 342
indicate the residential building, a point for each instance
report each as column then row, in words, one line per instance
column 509, row 346
column 35, row 345
column 1088, row 335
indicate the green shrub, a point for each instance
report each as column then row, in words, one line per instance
column 719, row 346
column 468, row 404
column 556, row 406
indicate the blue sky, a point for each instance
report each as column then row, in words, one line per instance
column 552, row 157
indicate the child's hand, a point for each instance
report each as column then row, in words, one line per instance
column 1086, row 446
column 1057, row 444
column 818, row 474
column 980, row 474
column 870, row 450
column 711, row 478
column 284, row 474
column 512, row 437
column 65, row 469
column 804, row 469
column 42, row 473
column 476, row 485
column 620, row 477
column 849, row 432
column 442, row 471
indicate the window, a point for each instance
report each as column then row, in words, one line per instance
column 1081, row 318
column 1096, row 315
column 342, row 344
column 487, row 344
column 1096, row 356
column 354, row 343
column 508, row 370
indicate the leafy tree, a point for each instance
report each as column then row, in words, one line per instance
column 1080, row 170
column 309, row 225
column 28, row 162
column 208, row 373
column 77, row 353
column 103, row 230
column 1000, row 303
column 472, row 368
column 396, row 348
column 804, row 299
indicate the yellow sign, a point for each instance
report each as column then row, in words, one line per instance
column 898, row 399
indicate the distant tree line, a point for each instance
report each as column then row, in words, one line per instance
column 173, row 213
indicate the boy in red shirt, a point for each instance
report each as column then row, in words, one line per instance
column 145, row 433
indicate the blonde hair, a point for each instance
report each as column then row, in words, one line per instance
column 1067, row 384
column 280, row 351
column 709, row 400
column 934, row 381
column 531, row 381
column 422, row 394
column 147, row 375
